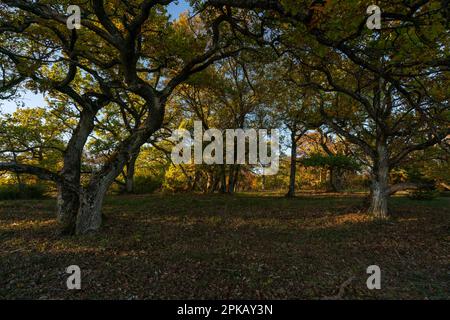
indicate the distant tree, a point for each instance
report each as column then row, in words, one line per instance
column 226, row 96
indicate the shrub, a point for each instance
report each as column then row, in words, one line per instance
column 427, row 186
column 423, row 194
column 426, row 191
column 146, row 184
column 28, row 191
column 175, row 180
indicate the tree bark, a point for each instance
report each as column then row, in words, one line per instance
column 223, row 179
column 380, row 183
column 403, row 186
column 68, row 199
column 445, row 186
column 335, row 179
column 67, row 204
column 216, row 183
column 237, row 170
column 89, row 217
column 20, row 183
column 230, row 188
column 233, row 177
column 293, row 168
column 209, row 182
column 131, row 166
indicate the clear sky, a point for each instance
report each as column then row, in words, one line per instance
column 29, row 99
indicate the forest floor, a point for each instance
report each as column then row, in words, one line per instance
column 242, row 246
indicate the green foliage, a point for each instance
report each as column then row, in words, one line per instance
column 32, row 136
column 424, row 194
column 175, row 179
column 147, row 184
column 27, row 191
column 330, row 161
column 427, row 187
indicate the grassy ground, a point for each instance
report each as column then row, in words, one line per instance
column 244, row 246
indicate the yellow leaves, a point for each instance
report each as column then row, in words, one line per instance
column 187, row 38
column 182, row 22
column 175, row 178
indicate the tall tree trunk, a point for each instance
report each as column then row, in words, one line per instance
column 223, row 179
column 131, row 166
column 19, row 177
column 68, row 200
column 230, row 188
column 20, row 183
column 233, row 178
column 216, row 182
column 293, row 169
column 237, row 170
column 209, row 182
column 194, row 183
column 335, row 179
column 380, row 182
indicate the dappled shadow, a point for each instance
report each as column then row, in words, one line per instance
column 276, row 250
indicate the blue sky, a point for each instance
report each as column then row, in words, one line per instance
column 29, row 99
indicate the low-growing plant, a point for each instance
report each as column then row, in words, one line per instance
column 146, row 184
column 26, row 191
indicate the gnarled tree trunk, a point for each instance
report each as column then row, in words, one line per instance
column 380, row 183
column 68, row 201
column 89, row 218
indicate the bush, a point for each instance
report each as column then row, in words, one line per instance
column 145, row 184
column 29, row 191
column 427, row 186
column 423, row 194
column 175, row 180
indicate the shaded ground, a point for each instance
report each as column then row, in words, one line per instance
column 245, row 246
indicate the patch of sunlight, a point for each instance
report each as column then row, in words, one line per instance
column 27, row 224
column 339, row 220
column 408, row 219
column 352, row 218
column 58, row 248
column 302, row 223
